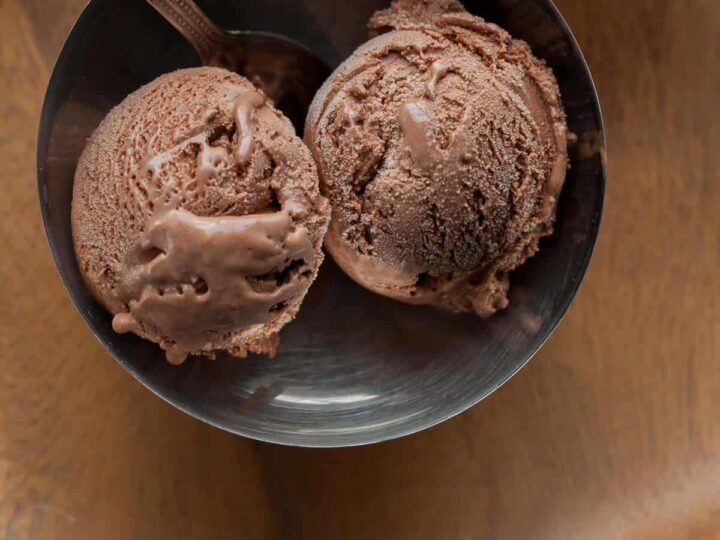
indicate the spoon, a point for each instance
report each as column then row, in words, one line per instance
column 287, row 72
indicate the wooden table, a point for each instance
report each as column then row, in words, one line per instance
column 612, row 431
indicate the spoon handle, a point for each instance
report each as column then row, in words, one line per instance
column 204, row 35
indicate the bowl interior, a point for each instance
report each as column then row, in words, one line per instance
column 354, row 367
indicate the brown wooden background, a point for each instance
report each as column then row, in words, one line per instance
column 612, row 431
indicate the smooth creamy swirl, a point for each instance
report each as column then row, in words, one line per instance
column 191, row 276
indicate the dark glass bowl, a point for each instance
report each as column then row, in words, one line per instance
column 354, row 368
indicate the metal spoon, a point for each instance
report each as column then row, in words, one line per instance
column 286, row 71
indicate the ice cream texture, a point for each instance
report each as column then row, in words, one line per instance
column 196, row 215
column 441, row 144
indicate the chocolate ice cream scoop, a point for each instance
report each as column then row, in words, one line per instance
column 196, row 215
column 441, row 145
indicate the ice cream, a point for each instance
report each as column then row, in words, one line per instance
column 196, row 215
column 442, row 147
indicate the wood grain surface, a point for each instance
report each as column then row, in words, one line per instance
column 612, row 431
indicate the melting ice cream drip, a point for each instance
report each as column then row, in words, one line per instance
column 210, row 159
column 245, row 118
column 438, row 70
column 415, row 123
column 416, row 126
column 188, row 275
